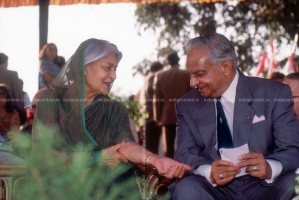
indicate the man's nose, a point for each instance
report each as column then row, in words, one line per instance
column 193, row 82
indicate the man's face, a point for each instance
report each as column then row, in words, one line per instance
column 209, row 79
column 294, row 84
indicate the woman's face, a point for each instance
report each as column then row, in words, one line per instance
column 100, row 75
column 3, row 96
column 51, row 51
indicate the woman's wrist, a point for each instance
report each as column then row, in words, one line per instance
column 150, row 158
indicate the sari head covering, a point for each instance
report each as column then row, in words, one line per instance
column 103, row 123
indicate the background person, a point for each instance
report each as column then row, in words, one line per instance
column 293, row 81
column 8, row 116
column 277, row 76
column 48, row 70
column 152, row 130
column 169, row 87
column 12, row 81
column 9, row 119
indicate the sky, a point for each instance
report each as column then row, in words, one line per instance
column 68, row 27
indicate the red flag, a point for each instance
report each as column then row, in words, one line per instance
column 289, row 66
column 272, row 61
column 262, row 64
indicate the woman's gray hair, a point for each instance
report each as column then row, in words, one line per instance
column 219, row 48
column 98, row 49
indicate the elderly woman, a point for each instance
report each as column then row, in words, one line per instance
column 85, row 114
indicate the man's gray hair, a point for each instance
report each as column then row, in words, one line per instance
column 218, row 47
column 98, row 49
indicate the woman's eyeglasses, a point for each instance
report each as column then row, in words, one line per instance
column 3, row 94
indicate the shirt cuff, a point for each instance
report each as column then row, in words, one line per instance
column 205, row 171
column 276, row 167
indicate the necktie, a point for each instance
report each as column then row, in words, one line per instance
column 223, row 133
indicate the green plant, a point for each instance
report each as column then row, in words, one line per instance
column 57, row 171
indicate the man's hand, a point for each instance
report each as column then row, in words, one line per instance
column 111, row 157
column 223, row 172
column 158, row 123
column 255, row 160
column 169, row 168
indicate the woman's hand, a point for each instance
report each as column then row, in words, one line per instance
column 111, row 157
column 169, row 168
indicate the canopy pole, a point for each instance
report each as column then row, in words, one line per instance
column 43, row 22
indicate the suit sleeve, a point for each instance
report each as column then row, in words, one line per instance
column 285, row 132
column 188, row 151
column 158, row 99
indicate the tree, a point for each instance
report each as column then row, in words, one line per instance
column 249, row 25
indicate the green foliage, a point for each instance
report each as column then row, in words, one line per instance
column 256, row 24
column 249, row 25
column 60, row 173
column 297, row 186
column 141, row 68
column 133, row 108
column 174, row 21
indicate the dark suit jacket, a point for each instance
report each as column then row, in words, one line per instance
column 171, row 85
column 11, row 79
column 277, row 137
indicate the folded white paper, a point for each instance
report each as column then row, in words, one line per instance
column 232, row 155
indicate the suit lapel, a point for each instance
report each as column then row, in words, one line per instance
column 206, row 122
column 243, row 113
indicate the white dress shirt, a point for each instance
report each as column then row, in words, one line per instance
column 228, row 104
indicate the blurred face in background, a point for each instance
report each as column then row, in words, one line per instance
column 51, row 51
column 4, row 65
column 294, row 84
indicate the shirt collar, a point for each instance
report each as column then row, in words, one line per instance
column 230, row 93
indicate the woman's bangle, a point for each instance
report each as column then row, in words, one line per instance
column 149, row 158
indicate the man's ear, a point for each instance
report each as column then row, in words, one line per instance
column 227, row 67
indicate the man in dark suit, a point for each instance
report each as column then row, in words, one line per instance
column 11, row 79
column 229, row 110
column 152, row 130
column 170, row 86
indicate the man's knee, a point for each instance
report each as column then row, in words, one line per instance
column 192, row 187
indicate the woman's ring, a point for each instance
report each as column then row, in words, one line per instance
column 221, row 176
column 254, row 169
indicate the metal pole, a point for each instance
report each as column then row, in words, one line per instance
column 43, row 22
